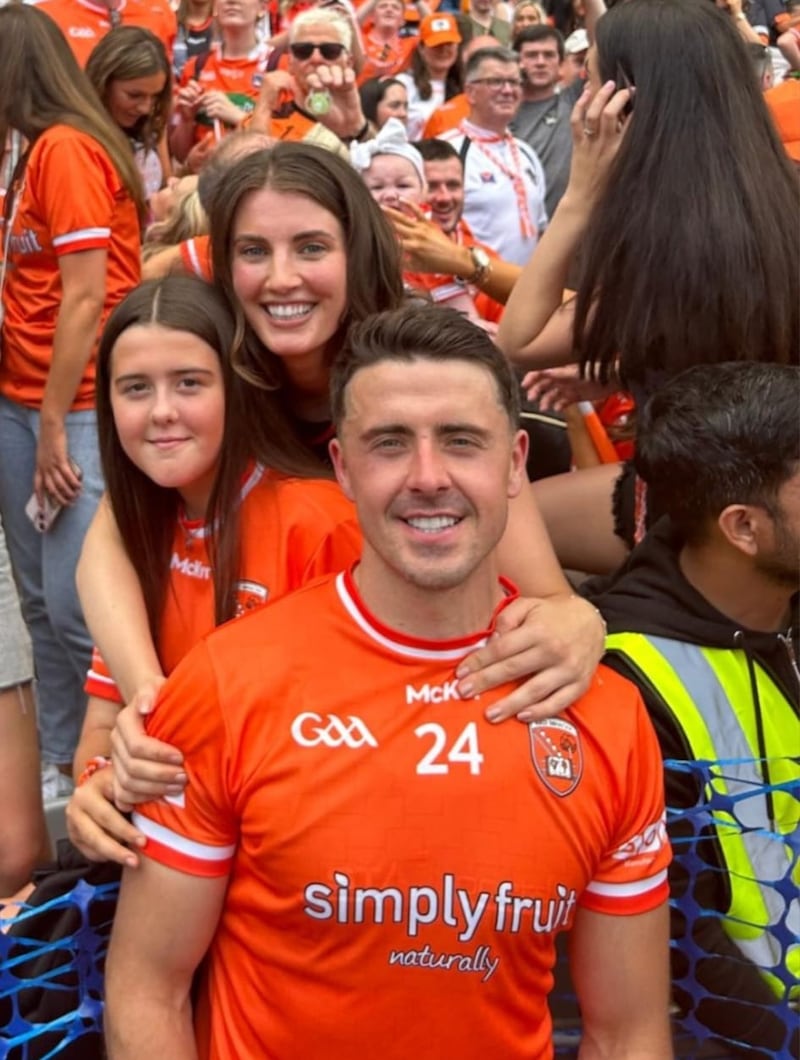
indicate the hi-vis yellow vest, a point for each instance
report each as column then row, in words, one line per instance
column 709, row 693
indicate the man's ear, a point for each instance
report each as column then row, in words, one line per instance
column 518, row 474
column 743, row 526
column 340, row 467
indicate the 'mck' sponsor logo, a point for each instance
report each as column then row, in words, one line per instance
column 191, row 568
column 432, row 693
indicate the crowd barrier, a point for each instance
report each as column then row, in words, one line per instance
column 51, row 959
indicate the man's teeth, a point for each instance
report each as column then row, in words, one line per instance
column 432, row 523
column 288, row 312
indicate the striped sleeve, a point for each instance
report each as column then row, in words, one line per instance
column 631, row 877
column 197, row 831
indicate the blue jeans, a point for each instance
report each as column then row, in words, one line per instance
column 44, row 567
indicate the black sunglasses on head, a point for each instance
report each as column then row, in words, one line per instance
column 305, row 49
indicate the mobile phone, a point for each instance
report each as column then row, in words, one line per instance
column 623, row 81
column 43, row 517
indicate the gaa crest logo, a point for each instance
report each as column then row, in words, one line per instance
column 557, row 754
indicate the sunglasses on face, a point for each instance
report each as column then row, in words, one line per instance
column 305, row 49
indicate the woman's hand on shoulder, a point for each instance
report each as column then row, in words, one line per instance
column 556, row 642
column 143, row 768
column 96, row 826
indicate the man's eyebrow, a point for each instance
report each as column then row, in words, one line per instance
column 403, row 430
column 385, row 428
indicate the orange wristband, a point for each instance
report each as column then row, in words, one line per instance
column 92, row 767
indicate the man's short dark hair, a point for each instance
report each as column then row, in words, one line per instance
column 428, row 333
column 717, row 435
column 436, row 150
column 534, row 34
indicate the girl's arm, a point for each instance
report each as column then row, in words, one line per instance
column 83, row 283
column 114, row 607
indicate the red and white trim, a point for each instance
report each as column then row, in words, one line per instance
column 186, row 855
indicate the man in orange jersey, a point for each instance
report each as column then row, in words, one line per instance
column 371, row 867
column 84, row 22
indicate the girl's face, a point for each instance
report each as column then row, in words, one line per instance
column 391, row 178
column 438, row 58
column 129, row 101
column 393, row 105
column 526, row 15
column 168, row 400
column 289, row 269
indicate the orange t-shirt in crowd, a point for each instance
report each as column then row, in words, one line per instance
column 442, row 288
column 84, row 23
column 291, row 123
column 70, row 199
column 239, row 79
column 292, row 531
column 398, row 866
column 196, row 257
column 385, row 58
column 448, row 116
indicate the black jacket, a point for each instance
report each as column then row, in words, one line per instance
column 650, row 595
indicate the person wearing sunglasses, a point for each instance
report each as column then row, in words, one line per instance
column 318, row 86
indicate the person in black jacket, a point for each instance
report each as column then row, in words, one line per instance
column 703, row 619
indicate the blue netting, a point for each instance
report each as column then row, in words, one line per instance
column 51, row 967
column 51, row 975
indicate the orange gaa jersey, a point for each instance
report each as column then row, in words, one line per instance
column 398, row 867
column 196, row 257
column 293, row 531
column 239, row 79
column 70, row 199
column 85, row 23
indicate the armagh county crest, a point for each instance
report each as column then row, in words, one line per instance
column 557, row 754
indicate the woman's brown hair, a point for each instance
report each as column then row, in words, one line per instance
column 125, row 54
column 41, row 85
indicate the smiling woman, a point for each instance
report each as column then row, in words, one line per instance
column 130, row 72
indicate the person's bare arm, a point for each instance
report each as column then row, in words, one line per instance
column 428, row 249
column 166, row 262
column 620, row 970
column 83, row 284
column 594, row 10
column 164, row 923
column 552, row 637
column 536, row 329
column 113, row 605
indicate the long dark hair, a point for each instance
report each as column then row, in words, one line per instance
column 692, row 255
column 145, row 512
column 422, row 78
column 41, row 85
column 374, row 275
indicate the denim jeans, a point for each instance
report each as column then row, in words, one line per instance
column 44, row 567
column 16, row 658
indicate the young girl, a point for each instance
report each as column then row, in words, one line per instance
column 175, row 450
column 71, row 243
column 219, row 88
column 301, row 251
column 130, row 72
column 393, row 172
